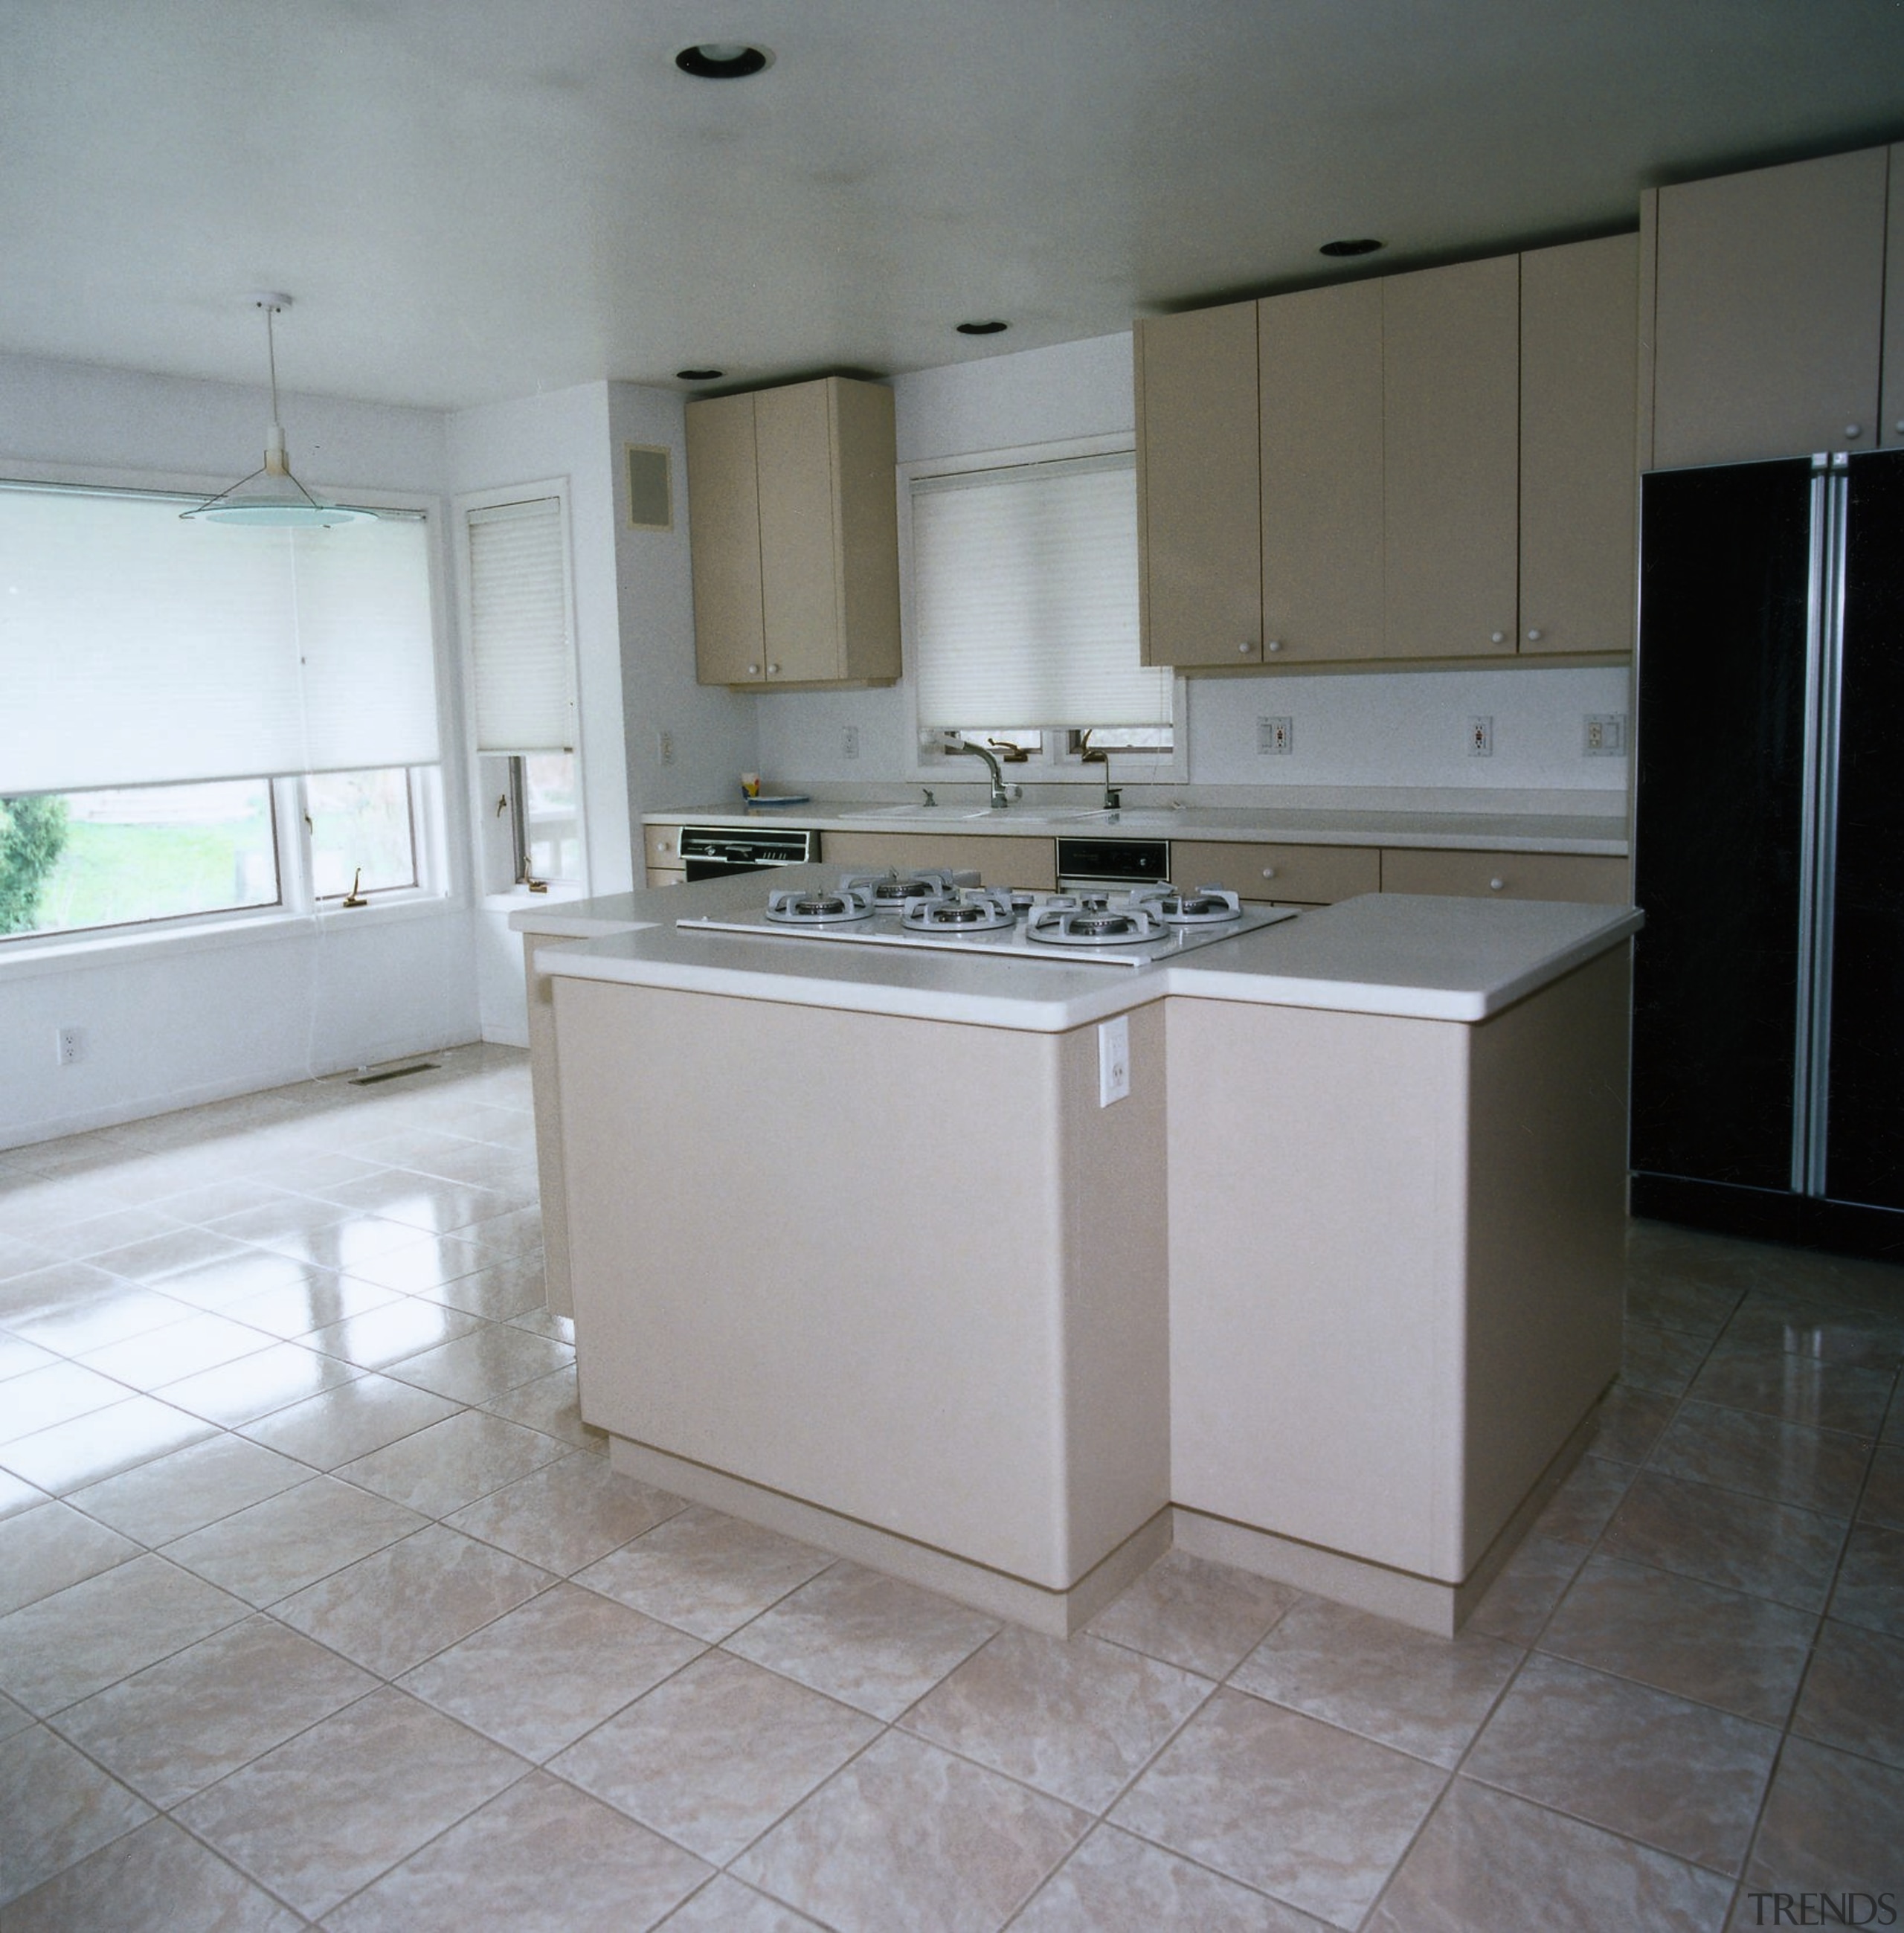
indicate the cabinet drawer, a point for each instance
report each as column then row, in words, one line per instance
column 666, row 876
column 1509, row 875
column 1300, row 875
column 1008, row 860
column 662, row 845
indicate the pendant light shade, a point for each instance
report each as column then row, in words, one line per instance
column 271, row 496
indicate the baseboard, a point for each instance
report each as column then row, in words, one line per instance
column 1431, row 1604
column 1057, row 1613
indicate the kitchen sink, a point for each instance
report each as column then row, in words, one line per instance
column 943, row 814
column 947, row 815
column 1157, row 819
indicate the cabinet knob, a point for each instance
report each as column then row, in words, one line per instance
column 753, row 671
column 1269, row 872
column 1900, row 425
column 1853, row 431
column 1497, row 637
column 1274, row 644
column 1245, row 649
column 1495, row 885
column 1533, row 637
column 773, row 671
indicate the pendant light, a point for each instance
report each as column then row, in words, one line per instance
column 271, row 497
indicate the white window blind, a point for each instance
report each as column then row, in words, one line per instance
column 1024, row 598
column 138, row 650
column 519, row 628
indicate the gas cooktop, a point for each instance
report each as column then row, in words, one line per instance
column 1143, row 927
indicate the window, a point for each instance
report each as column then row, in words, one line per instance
column 202, row 721
column 1024, row 611
column 522, row 674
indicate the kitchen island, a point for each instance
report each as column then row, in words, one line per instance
column 858, row 1252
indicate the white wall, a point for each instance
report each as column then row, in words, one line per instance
column 712, row 732
column 170, row 1022
column 1406, row 729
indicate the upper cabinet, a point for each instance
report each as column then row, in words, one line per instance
column 1197, row 482
column 1579, row 379
column 1442, row 467
column 1320, row 440
column 1450, row 391
column 792, row 512
column 1770, row 313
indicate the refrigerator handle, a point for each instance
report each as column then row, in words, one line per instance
column 1803, row 1072
column 1825, row 678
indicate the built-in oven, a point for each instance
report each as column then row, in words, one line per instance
column 1115, row 864
column 712, row 851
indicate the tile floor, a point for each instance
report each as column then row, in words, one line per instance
column 318, row 1603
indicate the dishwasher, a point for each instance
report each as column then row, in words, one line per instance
column 713, row 851
column 1110, row 865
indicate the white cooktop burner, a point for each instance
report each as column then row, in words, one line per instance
column 1137, row 929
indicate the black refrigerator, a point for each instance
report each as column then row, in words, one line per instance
column 1768, row 1024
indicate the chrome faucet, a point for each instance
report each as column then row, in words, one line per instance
column 1000, row 798
column 1113, row 794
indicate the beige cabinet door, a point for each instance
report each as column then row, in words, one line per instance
column 865, row 481
column 1198, row 522
column 1450, row 358
column 1893, row 400
column 723, row 510
column 1587, row 877
column 1009, row 859
column 1319, row 362
column 1767, row 312
column 1294, row 875
column 1579, row 364
column 799, row 547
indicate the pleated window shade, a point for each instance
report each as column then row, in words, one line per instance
column 519, row 628
column 1024, row 598
column 138, row 650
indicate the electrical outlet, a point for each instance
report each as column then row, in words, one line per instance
column 850, row 740
column 664, row 744
column 1274, row 736
column 1113, row 1059
column 1606, row 735
column 69, row 1045
column 1480, row 737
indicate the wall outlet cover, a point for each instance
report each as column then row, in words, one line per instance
column 1480, row 737
column 850, row 740
column 1274, row 736
column 1605, row 736
column 1113, row 1059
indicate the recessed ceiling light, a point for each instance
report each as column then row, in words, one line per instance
column 722, row 60
column 983, row 328
column 1362, row 246
column 698, row 375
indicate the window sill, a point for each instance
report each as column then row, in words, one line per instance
column 560, row 892
column 24, row 959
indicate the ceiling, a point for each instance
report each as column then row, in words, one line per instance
column 472, row 200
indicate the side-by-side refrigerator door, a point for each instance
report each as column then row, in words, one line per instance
column 1726, row 579
column 1863, row 1149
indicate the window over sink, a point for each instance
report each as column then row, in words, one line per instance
column 1021, row 616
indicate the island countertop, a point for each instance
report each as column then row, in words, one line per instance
column 1420, row 957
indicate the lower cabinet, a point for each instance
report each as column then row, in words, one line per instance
column 1590, row 877
column 1008, row 860
column 1294, row 875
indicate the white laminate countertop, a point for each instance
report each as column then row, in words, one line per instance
column 1417, row 957
column 1603, row 833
